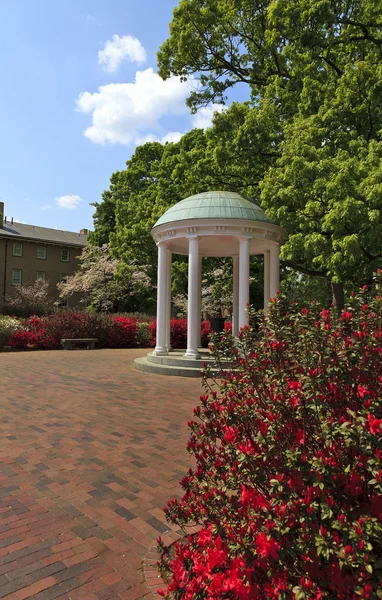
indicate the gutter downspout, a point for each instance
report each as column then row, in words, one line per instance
column 5, row 270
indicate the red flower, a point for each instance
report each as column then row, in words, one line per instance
column 267, row 547
column 294, row 385
column 230, row 435
column 374, row 424
column 299, row 437
column 362, row 391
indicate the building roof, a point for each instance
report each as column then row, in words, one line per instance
column 21, row 231
column 214, row 205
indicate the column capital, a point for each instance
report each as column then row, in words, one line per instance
column 162, row 243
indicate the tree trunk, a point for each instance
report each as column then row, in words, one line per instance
column 338, row 296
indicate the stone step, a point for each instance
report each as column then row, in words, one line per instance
column 176, row 359
column 179, row 370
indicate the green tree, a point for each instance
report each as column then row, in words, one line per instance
column 313, row 70
column 328, row 195
column 265, row 43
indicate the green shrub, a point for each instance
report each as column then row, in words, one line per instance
column 8, row 326
column 143, row 335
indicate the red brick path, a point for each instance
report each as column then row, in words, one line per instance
column 90, row 452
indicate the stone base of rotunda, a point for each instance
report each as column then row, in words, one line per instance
column 175, row 364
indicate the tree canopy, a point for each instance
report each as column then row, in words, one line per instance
column 306, row 145
column 265, row 43
column 314, row 73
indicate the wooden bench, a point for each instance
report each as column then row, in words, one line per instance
column 67, row 344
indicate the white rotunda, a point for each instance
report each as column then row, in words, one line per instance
column 217, row 223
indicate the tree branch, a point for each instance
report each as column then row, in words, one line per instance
column 306, row 271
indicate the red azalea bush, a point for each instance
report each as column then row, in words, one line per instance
column 123, row 333
column 46, row 332
column 287, row 489
column 206, row 332
column 178, row 333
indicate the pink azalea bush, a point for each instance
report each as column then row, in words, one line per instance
column 287, row 489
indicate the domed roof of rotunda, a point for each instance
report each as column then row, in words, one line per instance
column 214, row 205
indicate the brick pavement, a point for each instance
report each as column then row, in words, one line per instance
column 91, row 450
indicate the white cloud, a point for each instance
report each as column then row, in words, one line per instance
column 68, row 202
column 46, row 207
column 203, row 118
column 127, row 113
column 171, row 136
column 118, row 49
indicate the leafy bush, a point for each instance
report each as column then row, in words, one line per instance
column 27, row 300
column 8, row 326
column 123, row 333
column 47, row 332
column 206, row 331
column 178, row 333
column 287, row 489
column 143, row 334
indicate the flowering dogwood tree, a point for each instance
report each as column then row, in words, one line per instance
column 97, row 283
column 287, row 488
column 29, row 299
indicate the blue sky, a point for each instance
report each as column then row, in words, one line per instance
column 72, row 107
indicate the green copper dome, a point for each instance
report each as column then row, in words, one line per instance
column 214, row 205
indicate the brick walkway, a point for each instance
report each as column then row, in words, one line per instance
column 91, row 450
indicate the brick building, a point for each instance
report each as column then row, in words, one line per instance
column 29, row 253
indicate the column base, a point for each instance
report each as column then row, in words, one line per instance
column 158, row 351
column 169, row 349
column 193, row 354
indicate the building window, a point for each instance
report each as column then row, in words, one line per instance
column 64, row 255
column 41, row 252
column 63, row 279
column 16, row 276
column 17, row 249
column 40, row 276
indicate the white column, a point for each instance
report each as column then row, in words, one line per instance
column 168, row 301
column 160, row 347
column 235, row 303
column 193, row 319
column 267, row 281
column 243, row 281
column 274, row 270
column 200, row 302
